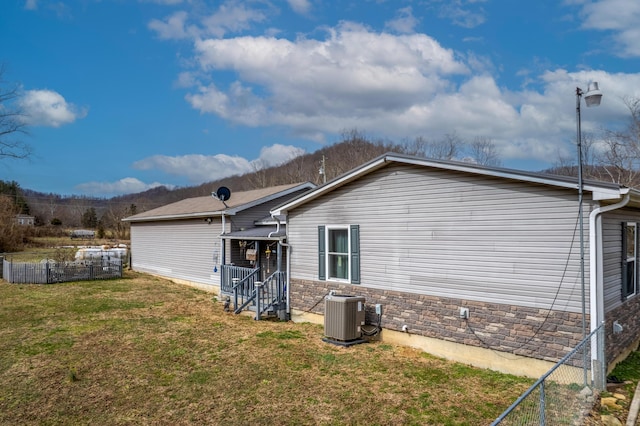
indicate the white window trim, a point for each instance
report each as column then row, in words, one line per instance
column 328, row 229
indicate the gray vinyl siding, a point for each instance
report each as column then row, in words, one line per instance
column 450, row 234
column 612, row 255
column 246, row 219
column 181, row 249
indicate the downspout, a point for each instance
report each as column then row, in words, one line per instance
column 596, row 262
column 222, row 252
column 224, row 231
column 596, row 275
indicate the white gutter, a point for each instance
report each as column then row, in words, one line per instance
column 596, row 262
column 277, row 231
column 174, row 217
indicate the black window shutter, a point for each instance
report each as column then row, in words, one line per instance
column 322, row 254
column 625, row 269
column 634, row 288
column 355, row 254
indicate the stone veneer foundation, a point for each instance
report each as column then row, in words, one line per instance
column 620, row 345
column 528, row 332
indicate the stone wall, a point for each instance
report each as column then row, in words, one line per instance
column 619, row 345
column 530, row 332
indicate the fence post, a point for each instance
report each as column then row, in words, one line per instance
column 543, row 421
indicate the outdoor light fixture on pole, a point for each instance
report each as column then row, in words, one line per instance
column 591, row 98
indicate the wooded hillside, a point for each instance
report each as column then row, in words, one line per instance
column 88, row 212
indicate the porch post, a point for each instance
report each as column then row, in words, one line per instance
column 258, row 295
column 235, row 292
column 258, row 259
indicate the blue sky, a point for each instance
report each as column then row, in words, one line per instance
column 124, row 95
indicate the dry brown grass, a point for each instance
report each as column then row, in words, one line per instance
column 143, row 350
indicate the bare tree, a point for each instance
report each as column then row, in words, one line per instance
column 12, row 121
column 112, row 220
column 416, row 147
column 11, row 233
column 296, row 169
column 620, row 160
column 260, row 178
column 448, row 148
column 484, row 152
column 567, row 165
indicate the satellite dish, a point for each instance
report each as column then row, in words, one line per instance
column 223, row 193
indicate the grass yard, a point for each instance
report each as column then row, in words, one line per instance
column 142, row 350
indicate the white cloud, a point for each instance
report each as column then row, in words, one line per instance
column 31, row 5
column 407, row 86
column 352, row 75
column 48, row 108
column 302, row 7
column 622, row 17
column 186, row 79
column 196, row 167
column 173, row 27
column 404, row 22
column 205, row 168
column 277, row 154
column 127, row 185
column 231, row 17
column 397, row 86
column 463, row 13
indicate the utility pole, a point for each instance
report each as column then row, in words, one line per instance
column 322, row 171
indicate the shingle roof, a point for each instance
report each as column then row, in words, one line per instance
column 210, row 206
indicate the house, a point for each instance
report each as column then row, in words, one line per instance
column 191, row 241
column 25, row 219
column 476, row 264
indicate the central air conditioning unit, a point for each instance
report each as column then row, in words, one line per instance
column 343, row 317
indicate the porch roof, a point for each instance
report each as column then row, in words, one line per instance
column 269, row 233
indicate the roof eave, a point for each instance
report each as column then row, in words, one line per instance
column 176, row 216
column 600, row 192
column 330, row 186
column 306, row 185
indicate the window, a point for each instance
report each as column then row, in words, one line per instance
column 339, row 253
column 629, row 259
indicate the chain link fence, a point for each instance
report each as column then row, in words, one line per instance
column 566, row 393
